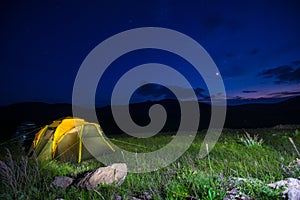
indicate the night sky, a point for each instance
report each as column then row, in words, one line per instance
column 255, row 45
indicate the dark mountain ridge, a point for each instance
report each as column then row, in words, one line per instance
column 239, row 116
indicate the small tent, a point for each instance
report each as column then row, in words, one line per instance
column 67, row 140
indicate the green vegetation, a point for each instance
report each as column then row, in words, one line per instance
column 251, row 141
column 247, row 164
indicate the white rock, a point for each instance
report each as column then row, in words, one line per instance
column 113, row 174
column 291, row 185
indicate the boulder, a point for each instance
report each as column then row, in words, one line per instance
column 291, row 185
column 113, row 174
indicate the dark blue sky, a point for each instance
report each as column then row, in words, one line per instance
column 255, row 45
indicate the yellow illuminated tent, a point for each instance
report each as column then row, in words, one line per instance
column 69, row 139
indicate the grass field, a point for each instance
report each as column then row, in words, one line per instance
column 234, row 156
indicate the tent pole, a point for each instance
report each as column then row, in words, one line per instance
column 80, row 144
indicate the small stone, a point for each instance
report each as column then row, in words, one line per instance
column 62, row 182
column 233, row 191
column 145, row 196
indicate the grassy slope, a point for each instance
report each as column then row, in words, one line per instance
column 188, row 177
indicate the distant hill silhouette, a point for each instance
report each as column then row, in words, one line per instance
column 41, row 113
column 240, row 116
column 264, row 115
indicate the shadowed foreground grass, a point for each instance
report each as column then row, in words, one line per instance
column 187, row 178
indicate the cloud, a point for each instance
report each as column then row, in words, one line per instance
column 296, row 62
column 277, row 71
column 254, row 52
column 155, row 91
column 212, row 22
column 236, row 98
column 284, row 94
column 230, row 55
column 282, row 74
column 234, row 71
column 152, row 90
column 249, row 91
column 234, row 25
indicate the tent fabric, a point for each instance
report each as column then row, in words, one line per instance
column 67, row 140
column 38, row 136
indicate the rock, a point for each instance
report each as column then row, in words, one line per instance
column 62, row 182
column 234, row 194
column 292, row 188
column 191, row 198
column 285, row 127
column 113, row 174
column 145, row 196
column 293, row 194
column 234, row 191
